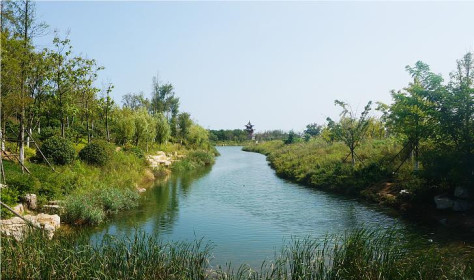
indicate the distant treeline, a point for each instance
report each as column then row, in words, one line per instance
column 240, row 135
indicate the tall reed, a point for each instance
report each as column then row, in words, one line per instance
column 359, row 254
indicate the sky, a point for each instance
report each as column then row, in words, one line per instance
column 280, row 65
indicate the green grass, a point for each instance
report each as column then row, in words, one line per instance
column 195, row 159
column 88, row 193
column 319, row 164
column 359, row 254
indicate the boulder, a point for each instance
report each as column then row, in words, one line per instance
column 52, row 209
column 158, row 159
column 443, row 202
column 14, row 227
column 17, row 227
column 462, row 192
column 31, row 200
column 19, row 209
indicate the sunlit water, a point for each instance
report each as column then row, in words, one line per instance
column 244, row 209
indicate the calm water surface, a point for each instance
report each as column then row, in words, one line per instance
column 243, row 208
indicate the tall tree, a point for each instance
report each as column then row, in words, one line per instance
column 22, row 24
column 413, row 110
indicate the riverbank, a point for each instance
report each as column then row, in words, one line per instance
column 321, row 165
column 83, row 193
column 354, row 255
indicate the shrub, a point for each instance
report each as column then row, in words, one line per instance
column 58, row 150
column 10, row 197
column 21, row 183
column 97, row 153
column 134, row 150
column 201, row 157
column 48, row 132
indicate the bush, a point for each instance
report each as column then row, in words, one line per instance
column 59, row 150
column 97, row 153
column 10, row 197
column 93, row 206
column 134, row 150
column 201, row 157
column 48, row 132
column 22, row 183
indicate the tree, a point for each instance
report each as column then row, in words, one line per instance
column 135, row 101
column 350, row 130
column 163, row 99
column 163, row 129
column 145, row 127
column 106, row 104
column 313, row 129
column 63, row 104
column 198, row 136
column 184, row 124
column 124, row 125
column 20, row 23
column 413, row 111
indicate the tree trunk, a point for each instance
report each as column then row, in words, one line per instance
column 22, row 140
column 353, row 157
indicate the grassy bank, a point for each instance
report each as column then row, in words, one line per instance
column 319, row 164
column 327, row 166
column 356, row 255
column 87, row 192
column 90, row 192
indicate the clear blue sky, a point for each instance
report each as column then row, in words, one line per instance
column 278, row 64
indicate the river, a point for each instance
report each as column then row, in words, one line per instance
column 244, row 210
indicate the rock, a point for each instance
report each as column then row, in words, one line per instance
column 461, row 205
column 159, row 159
column 141, row 190
column 31, row 200
column 443, row 202
column 462, row 192
column 14, row 227
column 19, row 209
column 52, row 209
column 17, row 227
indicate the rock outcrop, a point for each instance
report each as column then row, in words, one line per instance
column 160, row 158
column 31, row 200
column 17, row 227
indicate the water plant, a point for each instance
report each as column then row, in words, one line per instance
column 359, row 254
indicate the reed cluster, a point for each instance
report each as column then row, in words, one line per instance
column 359, row 254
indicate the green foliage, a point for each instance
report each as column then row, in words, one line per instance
column 358, row 254
column 321, row 164
column 134, row 150
column 163, row 130
column 198, row 137
column 124, row 127
column 195, row 159
column 48, row 132
column 21, row 183
column 292, row 138
column 228, row 135
column 184, row 125
column 58, row 150
column 10, row 197
column 91, row 207
column 96, row 153
column 350, row 130
column 313, row 129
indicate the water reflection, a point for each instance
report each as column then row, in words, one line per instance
column 244, row 209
